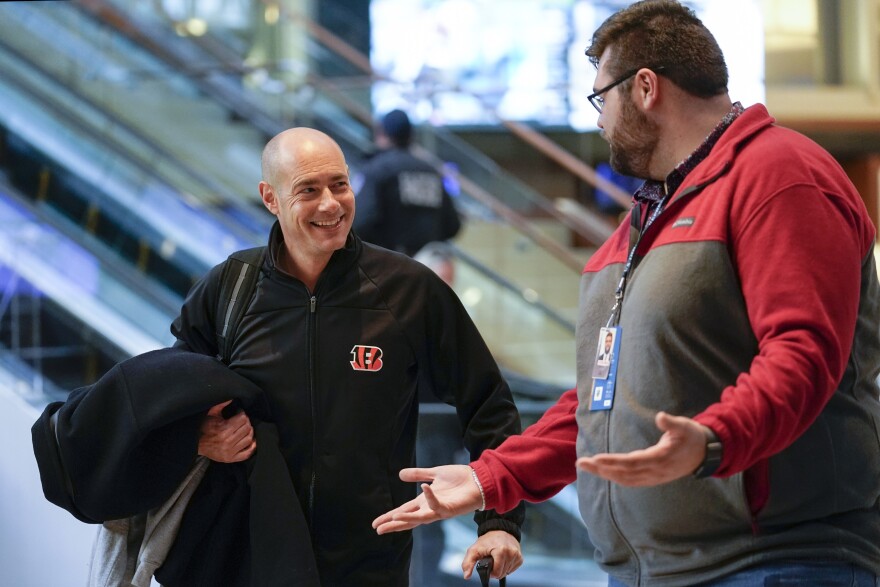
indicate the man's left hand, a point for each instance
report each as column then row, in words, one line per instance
column 504, row 549
column 680, row 450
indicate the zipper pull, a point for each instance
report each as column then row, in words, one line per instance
column 312, row 301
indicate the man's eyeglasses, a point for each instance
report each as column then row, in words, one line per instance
column 596, row 98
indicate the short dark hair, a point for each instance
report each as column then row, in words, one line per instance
column 652, row 33
column 397, row 127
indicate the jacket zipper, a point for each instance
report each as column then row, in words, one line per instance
column 609, row 487
column 312, row 346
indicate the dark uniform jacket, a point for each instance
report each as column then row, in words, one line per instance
column 402, row 204
column 342, row 368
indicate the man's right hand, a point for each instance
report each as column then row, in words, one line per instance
column 452, row 492
column 226, row 440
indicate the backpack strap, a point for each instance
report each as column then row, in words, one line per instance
column 238, row 282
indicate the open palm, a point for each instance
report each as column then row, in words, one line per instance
column 447, row 491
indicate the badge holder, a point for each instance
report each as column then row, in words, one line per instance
column 605, row 368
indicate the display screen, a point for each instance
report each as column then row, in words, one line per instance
column 473, row 62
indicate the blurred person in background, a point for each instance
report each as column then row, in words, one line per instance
column 402, row 202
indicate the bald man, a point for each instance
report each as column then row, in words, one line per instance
column 342, row 336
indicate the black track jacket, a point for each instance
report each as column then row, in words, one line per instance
column 343, row 367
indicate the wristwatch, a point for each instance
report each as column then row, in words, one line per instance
column 712, row 460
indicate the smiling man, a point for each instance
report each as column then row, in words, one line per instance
column 342, row 337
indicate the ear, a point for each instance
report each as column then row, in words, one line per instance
column 646, row 89
column 267, row 193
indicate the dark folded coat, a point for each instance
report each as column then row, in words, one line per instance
column 121, row 446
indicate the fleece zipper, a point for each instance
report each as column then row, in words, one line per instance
column 312, row 345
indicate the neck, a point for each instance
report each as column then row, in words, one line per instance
column 307, row 269
column 685, row 128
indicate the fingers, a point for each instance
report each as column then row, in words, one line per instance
column 218, row 409
column 676, row 454
column 244, row 453
column 404, row 518
column 395, row 526
column 447, row 491
column 626, row 469
column 244, row 445
column 415, row 474
column 431, row 497
column 239, row 426
column 471, row 556
column 505, row 564
column 669, row 423
column 226, row 440
column 241, row 443
column 504, row 550
column 235, row 432
column 396, row 519
column 385, row 518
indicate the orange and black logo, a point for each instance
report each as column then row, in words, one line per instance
column 366, row 358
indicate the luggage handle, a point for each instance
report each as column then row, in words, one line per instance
column 484, row 570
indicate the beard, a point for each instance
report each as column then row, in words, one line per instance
column 633, row 143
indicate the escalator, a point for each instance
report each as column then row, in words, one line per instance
column 71, row 308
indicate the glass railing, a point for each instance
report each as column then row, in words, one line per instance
column 526, row 336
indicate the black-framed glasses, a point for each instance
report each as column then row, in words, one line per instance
column 596, row 98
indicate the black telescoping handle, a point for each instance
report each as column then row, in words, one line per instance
column 484, row 570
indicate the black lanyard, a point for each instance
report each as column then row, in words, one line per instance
column 627, row 268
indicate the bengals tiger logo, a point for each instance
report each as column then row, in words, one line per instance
column 366, row 358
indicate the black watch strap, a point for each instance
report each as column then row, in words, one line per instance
column 712, row 460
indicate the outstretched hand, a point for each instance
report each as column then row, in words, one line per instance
column 447, row 491
column 677, row 454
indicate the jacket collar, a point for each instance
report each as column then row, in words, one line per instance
column 340, row 262
column 754, row 120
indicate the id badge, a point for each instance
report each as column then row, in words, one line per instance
column 605, row 368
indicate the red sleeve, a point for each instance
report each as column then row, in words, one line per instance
column 799, row 259
column 535, row 465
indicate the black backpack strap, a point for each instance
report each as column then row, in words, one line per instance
column 238, row 282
